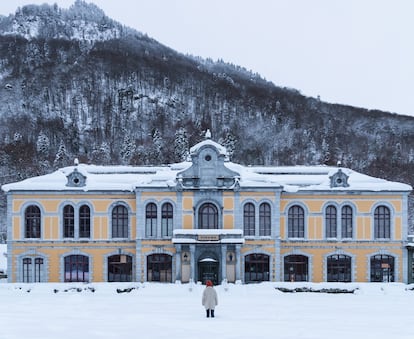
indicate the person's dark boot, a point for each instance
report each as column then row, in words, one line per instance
column 212, row 313
column 208, row 313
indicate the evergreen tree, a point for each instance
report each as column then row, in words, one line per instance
column 62, row 158
column 42, row 146
column 181, row 145
column 101, row 155
column 127, row 149
column 157, row 145
column 229, row 142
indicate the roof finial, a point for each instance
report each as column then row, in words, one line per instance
column 76, row 161
column 208, row 134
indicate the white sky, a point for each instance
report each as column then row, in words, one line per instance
column 354, row 52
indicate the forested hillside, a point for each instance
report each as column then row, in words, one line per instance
column 74, row 83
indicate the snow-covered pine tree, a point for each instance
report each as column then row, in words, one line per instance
column 43, row 146
column 181, row 144
column 229, row 142
column 127, row 149
column 62, row 157
column 101, row 155
column 156, row 156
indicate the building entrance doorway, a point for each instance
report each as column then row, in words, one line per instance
column 208, row 269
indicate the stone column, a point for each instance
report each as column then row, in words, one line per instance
column 238, row 262
column 178, row 262
column 192, row 263
column 223, row 262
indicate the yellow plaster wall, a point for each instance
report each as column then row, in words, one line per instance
column 397, row 228
column 187, row 203
column 315, row 206
column 158, row 195
column 228, row 221
column 187, row 221
column 16, row 228
column 228, row 203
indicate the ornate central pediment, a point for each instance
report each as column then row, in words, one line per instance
column 208, row 168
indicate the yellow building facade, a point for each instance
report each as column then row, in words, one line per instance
column 207, row 218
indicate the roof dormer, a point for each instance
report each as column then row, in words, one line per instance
column 339, row 179
column 76, row 179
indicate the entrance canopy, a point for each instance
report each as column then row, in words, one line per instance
column 207, row 236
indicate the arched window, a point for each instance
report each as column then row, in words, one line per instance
column 120, row 268
column 159, row 268
column 167, row 220
column 296, row 222
column 38, row 270
column 264, row 220
column 256, row 268
column 32, row 222
column 151, row 220
column 296, row 268
column 382, row 268
column 382, row 222
column 119, row 222
column 249, row 219
column 27, row 270
column 346, row 222
column 32, row 273
column 68, row 221
column 76, row 268
column 339, row 268
column 330, row 222
column 84, row 222
column 208, row 216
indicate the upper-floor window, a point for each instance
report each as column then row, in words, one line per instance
column 296, row 222
column 84, row 221
column 208, row 216
column 264, row 219
column 346, row 222
column 119, row 222
column 68, row 221
column 249, row 219
column 382, row 222
column 330, row 222
column 166, row 220
column 32, row 222
column 151, row 220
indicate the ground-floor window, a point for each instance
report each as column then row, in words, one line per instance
column 119, row 268
column 256, row 268
column 32, row 270
column 296, row 268
column 339, row 268
column 76, row 268
column 159, row 268
column 382, row 268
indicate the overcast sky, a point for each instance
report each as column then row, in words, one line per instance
column 356, row 52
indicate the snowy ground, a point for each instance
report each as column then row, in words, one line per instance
column 174, row 311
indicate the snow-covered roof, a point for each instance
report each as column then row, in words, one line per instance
column 208, row 142
column 84, row 177
column 128, row 178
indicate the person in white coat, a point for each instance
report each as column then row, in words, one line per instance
column 209, row 300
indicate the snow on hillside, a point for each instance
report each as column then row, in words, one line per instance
column 152, row 310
